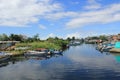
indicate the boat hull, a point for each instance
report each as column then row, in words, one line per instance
column 35, row 53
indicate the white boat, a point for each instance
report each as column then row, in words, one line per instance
column 35, row 53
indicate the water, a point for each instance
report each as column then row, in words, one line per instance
column 82, row 62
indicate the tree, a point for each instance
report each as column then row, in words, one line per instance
column 68, row 39
column 103, row 37
column 4, row 37
column 15, row 37
column 50, row 39
column 94, row 37
column 56, row 38
column 73, row 38
column 36, row 37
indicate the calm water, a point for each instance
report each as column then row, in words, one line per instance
column 77, row 63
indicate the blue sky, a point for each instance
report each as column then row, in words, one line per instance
column 61, row 18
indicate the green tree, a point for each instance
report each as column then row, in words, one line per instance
column 50, row 39
column 103, row 37
column 73, row 38
column 15, row 37
column 4, row 37
column 36, row 37
column 68, row 39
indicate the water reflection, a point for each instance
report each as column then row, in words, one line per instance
column 116, row 56
column 3, row 64
column 78, row 63
column 14, row 60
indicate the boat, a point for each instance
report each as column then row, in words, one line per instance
column 116, row 48
column 2, row 64
column 57, row 52
column 4, row 56
column 34, row 53
column 37, row 52
column 107, row 47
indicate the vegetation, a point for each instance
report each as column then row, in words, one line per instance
column 50, row 43
column 12, row 37
column 101, row 37
column 35, row 42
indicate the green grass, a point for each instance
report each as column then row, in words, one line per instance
column 44, row 44
column 55, row 44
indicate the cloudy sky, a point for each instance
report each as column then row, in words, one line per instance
column 62, row 18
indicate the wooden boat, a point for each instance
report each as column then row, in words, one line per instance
column 37, row 52
column 3, row 56
column 2, row 64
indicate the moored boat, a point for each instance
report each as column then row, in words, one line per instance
column 3, row 56
column 37, row 52
column 57, row 52
column 105, row 47
column 116, row 48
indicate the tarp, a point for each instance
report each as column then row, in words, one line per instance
column 117, row 45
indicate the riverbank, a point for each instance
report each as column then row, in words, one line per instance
column 21, row 48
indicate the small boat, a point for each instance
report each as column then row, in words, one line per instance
column 37, row 52
column 116, row 48
column 57, row 52
column 4, row 56
column 105, row 47
column 3, row 64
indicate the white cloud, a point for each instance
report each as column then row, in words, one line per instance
column 93, row 4
column 51, row 35
column 23, row 12
column 107, row 15
column 93, row 7
column 62, row 14
column 81, row 34
column 42, row 37
column 76, row 35
column 42, row 27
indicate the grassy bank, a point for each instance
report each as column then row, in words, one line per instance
column 43, row 44
column 51, row 43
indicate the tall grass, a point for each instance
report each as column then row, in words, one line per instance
column 35, row 45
